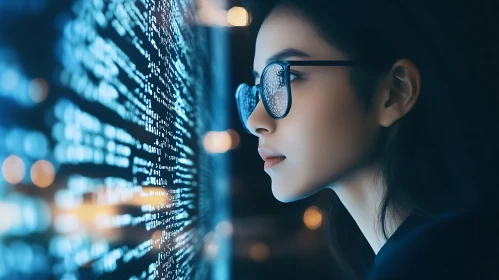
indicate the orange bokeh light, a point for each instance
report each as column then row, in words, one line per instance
column 235, row 138
column 312, row 218
column 42, row 173
column 13, row 169
column 217, row 142
column 259, row 252
column 238, row 16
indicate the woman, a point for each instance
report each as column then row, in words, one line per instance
column 393, row 106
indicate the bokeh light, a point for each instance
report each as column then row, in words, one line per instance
column 35, row 144
column 211, row 13
column 217, row 142
column 42, row 173
column 235, row 138
column 211, row 246
column 312, row 218
column 13, row 169
column 9, row 79
column 259, row 252
column 10, row 217
column 38, row 90
column 225, row 228
column 238, row 16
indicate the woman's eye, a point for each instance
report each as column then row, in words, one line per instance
column 293, row 76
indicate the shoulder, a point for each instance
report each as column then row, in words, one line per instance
column 451, row 246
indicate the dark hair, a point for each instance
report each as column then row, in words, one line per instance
column 445, row 152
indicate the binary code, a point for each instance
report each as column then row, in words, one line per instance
column 104, row 175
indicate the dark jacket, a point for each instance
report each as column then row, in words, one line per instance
column 454, row 245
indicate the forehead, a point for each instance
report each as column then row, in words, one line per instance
column 286, row 28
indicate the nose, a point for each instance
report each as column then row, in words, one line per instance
column 260, row 122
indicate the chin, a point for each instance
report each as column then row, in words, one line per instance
column 286, row 194
column 285, row 198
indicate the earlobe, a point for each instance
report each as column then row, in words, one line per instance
column 391, row 113
column 400, row 92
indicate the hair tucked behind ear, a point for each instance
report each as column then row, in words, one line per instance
column 445, row 153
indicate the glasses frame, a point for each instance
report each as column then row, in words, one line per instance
column 257, row 90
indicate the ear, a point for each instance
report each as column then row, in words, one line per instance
column 398, row 93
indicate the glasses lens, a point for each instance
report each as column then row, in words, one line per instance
column 246, row 101
column 275, row 90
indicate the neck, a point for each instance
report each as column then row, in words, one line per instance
column 361, row 195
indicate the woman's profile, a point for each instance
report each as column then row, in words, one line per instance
column 393, row 106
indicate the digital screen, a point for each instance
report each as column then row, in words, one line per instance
column 102, row 116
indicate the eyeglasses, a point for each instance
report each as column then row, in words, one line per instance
column 275, row 88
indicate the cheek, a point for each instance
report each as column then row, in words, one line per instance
column 330, row 114
column 332, row 132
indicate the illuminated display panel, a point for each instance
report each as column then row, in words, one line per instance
column 102, row 117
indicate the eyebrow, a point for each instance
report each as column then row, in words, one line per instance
column 282, row 55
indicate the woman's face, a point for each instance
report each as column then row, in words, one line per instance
column 327, row 134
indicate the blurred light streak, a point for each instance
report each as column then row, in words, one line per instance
column 21, row 215
column 66, row 223
column 155, row 197
column 90, row 218
column 220, row 162
column 67, row 199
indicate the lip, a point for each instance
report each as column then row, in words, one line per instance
column 266, row 154
column 272, row 161
column 270, row 157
